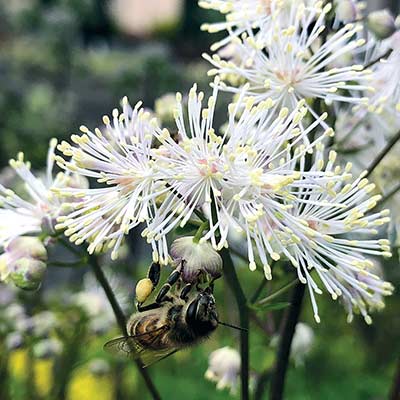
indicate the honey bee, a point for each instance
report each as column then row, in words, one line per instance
column 173, row 322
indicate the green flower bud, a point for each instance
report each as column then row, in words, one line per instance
column 381, row 23
column 28, row 246
column 28, row 273
column 165, row 106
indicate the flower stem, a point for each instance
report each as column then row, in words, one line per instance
column 120, row 317
column 383, row 153
column 258, row 291
column 277, row 293
column 290, row 321
column 395, row 390
column 199, row 232
column 234, row 284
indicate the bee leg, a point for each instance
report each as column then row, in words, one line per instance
column 211, row 284
column 162, row 294
column 154, row 273
column 172, row 279
column 151, row 306
column 199, row 279
column 185, row 291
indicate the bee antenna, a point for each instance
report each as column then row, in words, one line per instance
column 232, row 326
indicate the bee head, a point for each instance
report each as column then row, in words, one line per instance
column 201, row 314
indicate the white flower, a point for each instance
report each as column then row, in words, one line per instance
column 296, row 62
column 386, row 176
column 119, row 158
column 250, row 16
column 302, row 343
column 27, row 215
column 386, row 84
column 224, row 368
column 238, row 179
column 328, row 237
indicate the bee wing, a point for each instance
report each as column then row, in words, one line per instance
column 132, row 348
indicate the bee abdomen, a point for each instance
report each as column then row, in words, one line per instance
column 149, row 332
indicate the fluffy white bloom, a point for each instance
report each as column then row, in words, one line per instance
column 386, row 176
column 386, row 84
column 296, row 62
column 224, row 368
column 328, row 237
column 38, row 207
column 302, row 343
column 238, row 179
column 250, row 16
column 119, row 158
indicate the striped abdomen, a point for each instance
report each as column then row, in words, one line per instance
column 150, row 331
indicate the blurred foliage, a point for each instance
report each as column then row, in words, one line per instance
column 64, row 63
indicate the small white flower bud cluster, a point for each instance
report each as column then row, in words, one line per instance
column 24, row 262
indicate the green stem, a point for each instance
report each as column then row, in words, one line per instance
column 200, row 231
column 120, row 317
column 261, row 385
column 285, row 343
column 258, row 291
column 234, row 284
column 277, row 293
column 395, row 389
column 383, row 153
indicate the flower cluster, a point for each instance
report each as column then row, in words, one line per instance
column 23, row 218
column 296, row 60
column 266, row 175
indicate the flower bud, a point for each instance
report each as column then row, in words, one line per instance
column 164, row 107
column 24, row 262
column 196, row 258
column 28, row 273
column 346, row 10
column 27, row 246
column 381, row 23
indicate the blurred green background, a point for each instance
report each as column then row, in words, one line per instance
column 64, row 63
